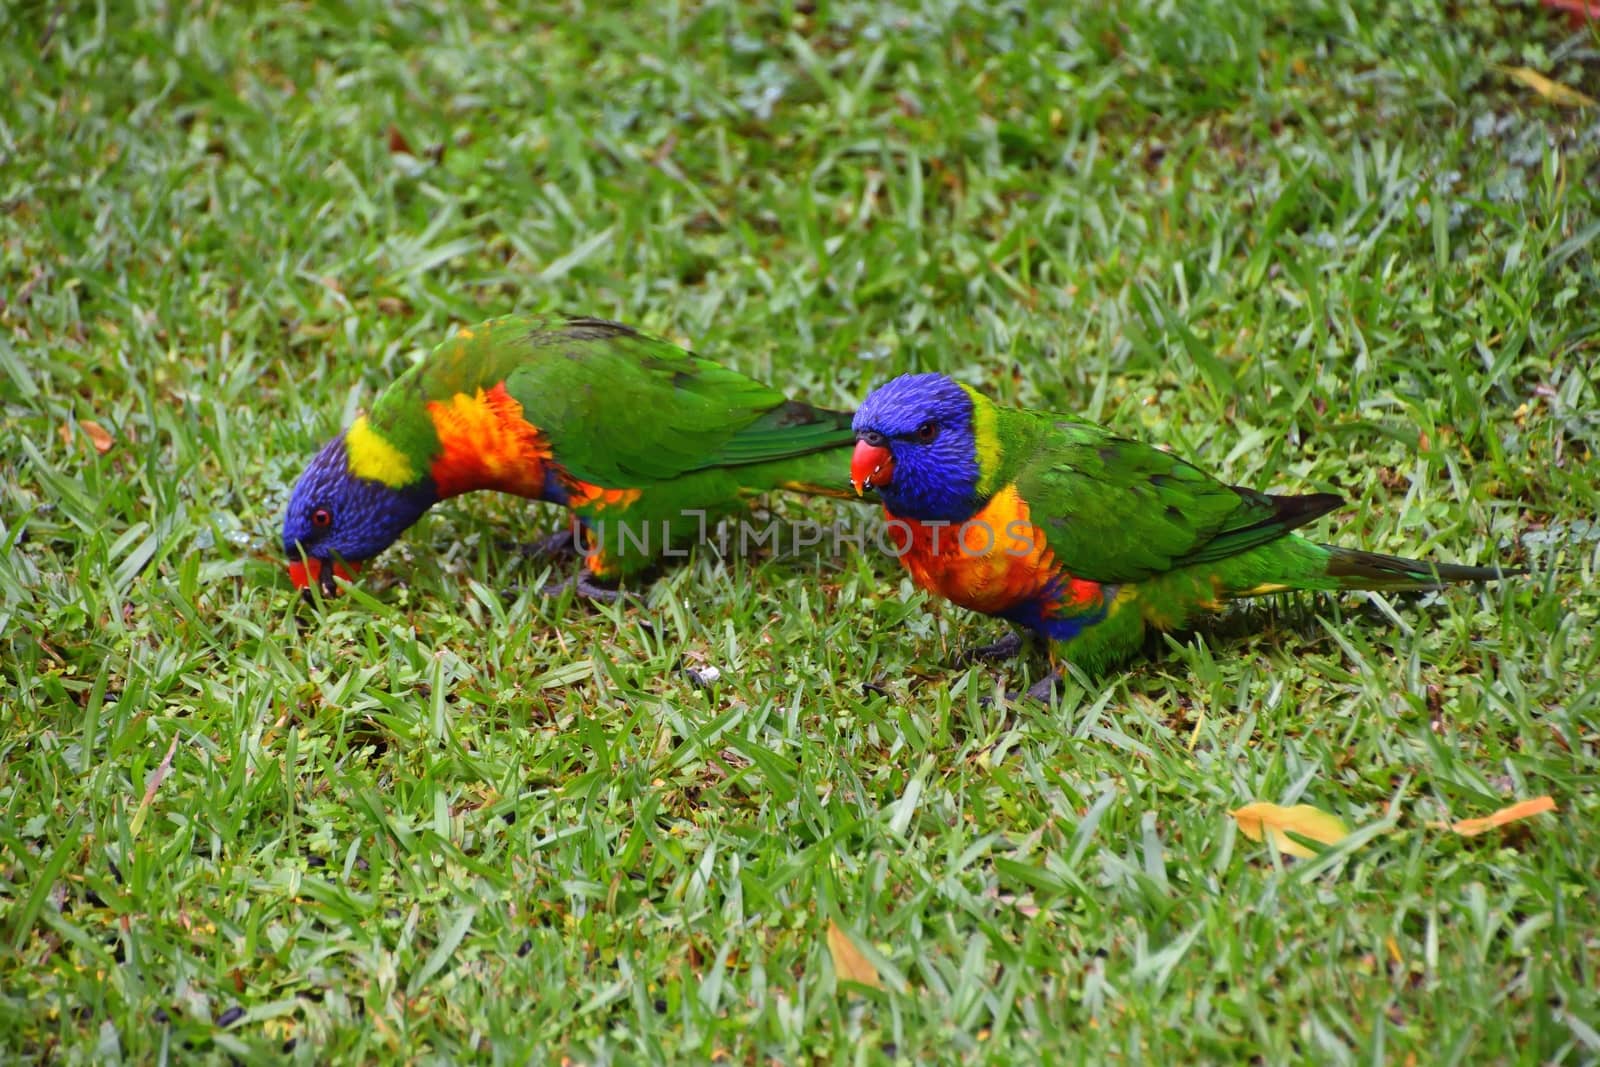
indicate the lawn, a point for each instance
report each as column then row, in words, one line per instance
column 1314, row 245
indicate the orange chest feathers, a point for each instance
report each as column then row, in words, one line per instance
column 485, row 443
column 996, row 561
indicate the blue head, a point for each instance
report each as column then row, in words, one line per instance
column 915, row 445
column 336, row 515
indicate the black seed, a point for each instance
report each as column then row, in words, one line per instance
column 315, row 862
column 231, row 1016
column 661, row 1006
column 509, row 818
column 160, row 1015
column 116, row 872
column 288, row 1046
column 525, row 948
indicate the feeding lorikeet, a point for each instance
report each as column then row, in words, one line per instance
column 643, row 441
column 1065, row 529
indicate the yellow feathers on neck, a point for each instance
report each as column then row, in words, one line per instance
column 986, row 437
column 370, row 456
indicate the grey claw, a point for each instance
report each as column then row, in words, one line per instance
column 560, row 543
column 584, row 585
column 1005, row 648
column 1044, row 690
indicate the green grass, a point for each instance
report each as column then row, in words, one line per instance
column 1312, row 245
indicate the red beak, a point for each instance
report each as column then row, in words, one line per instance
column 303, row 574
column 872, row 466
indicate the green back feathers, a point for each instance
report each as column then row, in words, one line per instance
column 1122, row 510
column 790, row 429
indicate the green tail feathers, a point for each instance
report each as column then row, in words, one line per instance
column 1295, row 563
column 1355, row 569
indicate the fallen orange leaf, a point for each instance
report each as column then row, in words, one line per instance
column 848, row 962
column 1303, row 819
column 1521, row 810
column 98, row 435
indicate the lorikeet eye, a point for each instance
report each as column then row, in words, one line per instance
column 322, row 517
column 927, row 431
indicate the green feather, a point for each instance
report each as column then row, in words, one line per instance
column 1122, row 510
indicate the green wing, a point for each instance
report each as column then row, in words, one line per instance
column 623, row 409
column 1117, row 510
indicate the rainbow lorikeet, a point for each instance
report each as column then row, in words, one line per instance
column 643, row 441
column 1085, row 538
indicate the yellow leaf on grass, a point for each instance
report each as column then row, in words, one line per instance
column 848, row 962
column 1553, row 91
column 1303, row 819
column 1520, row 810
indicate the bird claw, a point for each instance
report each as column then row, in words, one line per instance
column 584, row 585
column 560, row 543
column 1005, row 648
column 1044, row 691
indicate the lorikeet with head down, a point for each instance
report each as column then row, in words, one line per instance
column 643, row 441
column 1085, row 538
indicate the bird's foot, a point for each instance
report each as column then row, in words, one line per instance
column 583, row 584
column 560, row 543
column 1044, row 691
column 1005, row 648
